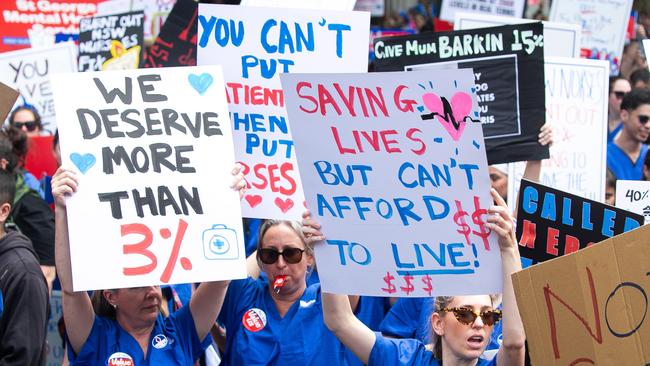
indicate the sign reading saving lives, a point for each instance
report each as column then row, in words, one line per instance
column 154, row 204
column 508, row 64
column 402, row 197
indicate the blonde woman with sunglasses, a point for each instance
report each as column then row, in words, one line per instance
column 462, row 325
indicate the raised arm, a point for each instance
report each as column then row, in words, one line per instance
column 512, row 350
column 77, row 308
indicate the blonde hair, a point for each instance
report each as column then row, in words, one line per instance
column 295, row 226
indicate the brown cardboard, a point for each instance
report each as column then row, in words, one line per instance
column 610, row 328
column 8, row 97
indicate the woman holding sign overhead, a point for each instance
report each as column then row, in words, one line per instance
column 137, row 334
column 461, row 325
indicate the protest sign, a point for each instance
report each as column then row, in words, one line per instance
column 560, row 39
column 153, row 204
column 29, row 71
column 603, row 25
column 514, row 8
column 176, row 43
column 111, row 42
column 398, row 181
column 8, row 97
column 552, row 223
column 155, row 13
column 590, row 307
column 255, row 45
column 577, row 93
column 632, row 195
column 342, row 5
column 377, row 8
column 508, row 64
column 21, row 18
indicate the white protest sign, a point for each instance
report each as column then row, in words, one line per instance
column 576, row 108
column 154, row 154
column 255, row 45
column 376, row 8
column 560, row 39
column 514, row 8
column 155, row 13
column 633, row 195
column 29, row 71
column 603, row 25
column 343, row 5
column 398, row 180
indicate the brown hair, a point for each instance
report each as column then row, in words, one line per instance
column 101, row 306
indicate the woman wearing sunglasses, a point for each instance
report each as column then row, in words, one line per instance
column 279, row 320
column 27, row 119
column 461, row 325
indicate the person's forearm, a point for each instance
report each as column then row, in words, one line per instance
column 62, row 250
column 513, row 328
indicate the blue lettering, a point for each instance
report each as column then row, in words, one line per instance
column 340, row 244
column 361, row 209
column 468, row 173
column 367, row 253
column 400, row 174
column 608, row 222
column 322, row 204
column 440, row 258
column 548, row 207
column 432, row 214
column 566, row 212
column 339, row 28
column 530, row 200
column 405, row 211
column 586, row 216
column 630, row 224
column 398, row 263
column 455, row 250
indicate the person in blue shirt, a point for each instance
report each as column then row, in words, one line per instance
column 461, row 325
column 132, row 330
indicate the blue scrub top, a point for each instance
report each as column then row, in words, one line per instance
column 257, row 335
column 173, row 342
column 611, row 134
column 621, row 165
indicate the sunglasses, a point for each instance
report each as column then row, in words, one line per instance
column 31, row 125
column 270, row 255
column 468, row 316
column 643, row 119
column 619, row 94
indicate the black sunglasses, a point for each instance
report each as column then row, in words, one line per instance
column 619, row 94
column 31, row 125
column 643, row 119
column 270, row 255
column 467, row 316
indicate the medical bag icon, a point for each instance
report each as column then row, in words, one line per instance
column 220, row 242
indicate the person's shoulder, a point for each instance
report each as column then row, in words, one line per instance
column 17, row 250
column 405, row 351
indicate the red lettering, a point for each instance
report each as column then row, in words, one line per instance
column 551, row 241
column 285, row 169
column 256, row 95
column 337, row 140
column 373, row 139
column 349, row 101
column 273, row 176
column 388, row 142
column 325, row 98
column 404, row 105
column 299, row 87
column 528, row 234
column 235, row 92
column 139, row 248
column 571, row 244
column 423, row 146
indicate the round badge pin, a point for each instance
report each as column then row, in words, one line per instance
column 159, row 341
column 254, row 320
column 120, row 359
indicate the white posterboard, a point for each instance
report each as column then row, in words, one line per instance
column 342, row 5
column 29, row 71
column 154, row 152
column 576, row 108
column 603, row 25
column 401, row 197
column 560, row 39
column 511, row 9
column 634, row 195
column 255, row 45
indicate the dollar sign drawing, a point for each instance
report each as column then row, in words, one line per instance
column 391, row 289
column 427, row 281
column 483, row 233
column 459, row 219
column 409, row 286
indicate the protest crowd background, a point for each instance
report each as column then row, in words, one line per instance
column 284, row 182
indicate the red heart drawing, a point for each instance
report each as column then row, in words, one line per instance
column 253, row 199
column 284, row 205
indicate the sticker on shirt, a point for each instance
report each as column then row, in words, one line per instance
column 254, row 320
column 160, row 341
column 119, row 359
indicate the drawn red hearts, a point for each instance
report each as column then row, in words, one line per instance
column 284, row 205
column 253, row 199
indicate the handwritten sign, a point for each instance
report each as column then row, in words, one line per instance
column 603, row 22
column 255, row 45
column 508, row 68
column 342, row 5
column 552, row 223
column 632, row 195
column 176, row 43
column 155, row 13
column 154, row 204
column 590, row 307
column 398, row 180
column 576, row 107
column 111, row 42
column 514, row 9
column 29, row 71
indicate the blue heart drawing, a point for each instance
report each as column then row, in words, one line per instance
column 83, row 162
column 200, row 83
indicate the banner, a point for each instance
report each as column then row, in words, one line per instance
column 153, row 205
column 508, row 64
column 590, row 307
column 155, row 13
column 112, row 42
column 29, row 71
column 514, row 8
column 255, row 45
column 176, row 43
column 632, row 195
column 402, row 198
column 553, row 223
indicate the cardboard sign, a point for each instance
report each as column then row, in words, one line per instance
column 112, row 42
column 632, row 195
column 552, row 223
column 590, row 307
column 401, row 193
column 514, row 9
column 255, row 45
column 577, row 92
column 8, row 97
column 29, row 71
column 508, row 64
column 153, row 204
column 560, row 39
column 176, row 43
column 155, row 13
column 603, row 23
column 341, row 5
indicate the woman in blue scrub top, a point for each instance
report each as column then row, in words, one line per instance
column 462, row 325
column 135, row 333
